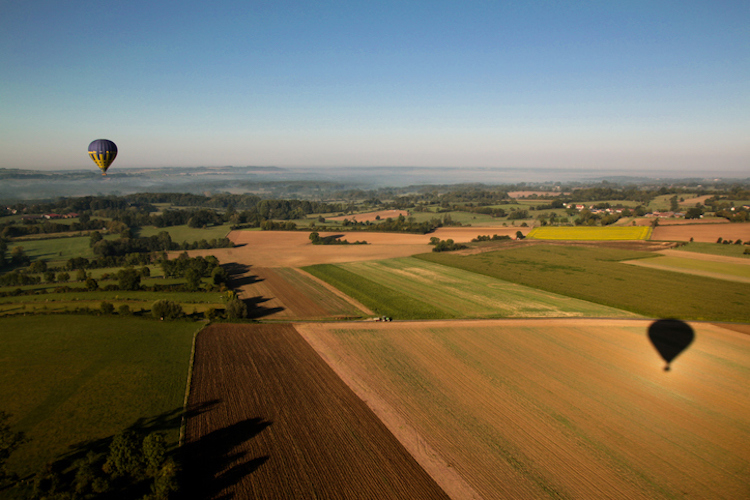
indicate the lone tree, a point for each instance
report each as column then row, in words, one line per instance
column 129, row 279
column 166, row 309
column 236, row 309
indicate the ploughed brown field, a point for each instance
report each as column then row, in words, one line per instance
column 532, row 409
column 274, row 421
column 703, row 233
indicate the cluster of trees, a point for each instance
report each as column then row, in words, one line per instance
column 135, row 466
column 487, row 238
column 162, row 242
column 331, row 240
column 445, row 245
column 193, row 269
column 739, row 215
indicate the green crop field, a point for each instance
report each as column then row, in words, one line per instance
column 72, row 379
column 380, row 299
column 454, row 293
column 185, row 233
column 597, row 275
column 585, row 233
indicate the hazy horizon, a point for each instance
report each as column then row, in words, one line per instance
column 647, row 86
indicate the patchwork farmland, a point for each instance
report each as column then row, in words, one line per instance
column 570, row 407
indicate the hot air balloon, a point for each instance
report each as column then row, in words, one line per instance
column 670, row 337
column 103, row 152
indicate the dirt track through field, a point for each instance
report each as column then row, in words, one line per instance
column 277, row 422
column 555, row 408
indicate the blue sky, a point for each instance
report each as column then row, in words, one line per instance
column 610, row 85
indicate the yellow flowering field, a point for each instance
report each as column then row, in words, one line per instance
column 591, row 233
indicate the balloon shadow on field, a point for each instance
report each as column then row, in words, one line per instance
column 670, row 337
column 215, row 461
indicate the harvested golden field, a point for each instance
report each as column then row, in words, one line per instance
column 705, row 233
column 530, row 409
column 372, row 216
column 294, row 249
column 274, row 421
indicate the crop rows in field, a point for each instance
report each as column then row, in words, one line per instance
column 409, row 288
column 598, row 275
column 591, row 233
column 556, row 408
column 705, row 233
column 286, row 293
column 283, row 425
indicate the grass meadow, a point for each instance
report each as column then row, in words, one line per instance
column 56, row 251
column 73, row 379
column 597, row 275
column 436, row 291
column 585, row 233
column 183, row 233
column 382, row 300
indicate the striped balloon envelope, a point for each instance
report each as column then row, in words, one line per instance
column 103, row 152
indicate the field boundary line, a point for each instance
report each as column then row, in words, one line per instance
column 183, row 420
column 449, row 480
column 336, row 291
column 695, row 272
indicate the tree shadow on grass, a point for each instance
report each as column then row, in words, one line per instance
column 64, row 467
column 213, row 463
column 163, row 422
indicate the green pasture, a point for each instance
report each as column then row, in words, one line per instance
column 58, row 249
column 716, row 249
column 70, row 380
column 661, row 203
column 688, row 265
column 597, row 275
column 461, row 294
column 185, row 233
column 380, row 299
column 591, row 233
